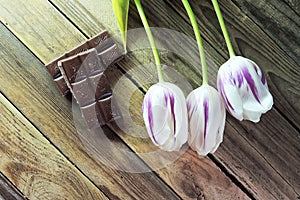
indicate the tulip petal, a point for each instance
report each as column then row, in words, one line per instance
column 251, row 83
column 233, row 100
column 205, row 107
column 244, row 89
column 165, row 116
column 206, row 119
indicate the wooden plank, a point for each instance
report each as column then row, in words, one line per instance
column 8, row 190
column 39, row 90
column 89, row 15
column 38, row 176
column 138, row 184
column 27, row 21
column 184, row 185
column 25, row 81
column 242, row 140
column 279, row 19
column 255, row 135
column 190, row 176
column 251, row 41
column 294, row 5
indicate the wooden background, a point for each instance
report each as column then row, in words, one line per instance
column 42, row 156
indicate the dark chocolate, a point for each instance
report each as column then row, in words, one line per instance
column 101, row 42
column 81, row 72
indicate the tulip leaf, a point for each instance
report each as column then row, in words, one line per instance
column 121, row 8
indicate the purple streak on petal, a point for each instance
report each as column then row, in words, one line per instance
column 166, row 98
column 221, row 88
column 171, row 97
column 232, row 79
column 263, row 78
column 240, row 79
column 190, row 110
column 255, row 68
column 251, row 83
column 205, row 105
column 188, row 106
column 150, row 119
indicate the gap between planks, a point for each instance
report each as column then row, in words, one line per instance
column 193, row 153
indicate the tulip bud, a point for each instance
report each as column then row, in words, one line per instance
column 206, row 115
column 165, row 116
column 244, row 89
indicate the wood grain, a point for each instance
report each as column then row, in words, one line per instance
column 8, row 190
column 252, row 138
column 38, row 24
column 186, row 187
column 250, row 41
column 257, row 136
column 260, row 166
column 279, row 19
column 294, row 5
column 48, row 175
column 190, row 176
column 229, row 187
column 36, row 95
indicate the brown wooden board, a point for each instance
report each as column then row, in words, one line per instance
column 279, row 19
column 139, row 183
column 38, row 176
column 8, row 190
column 258, row 165
column 282, row 73
column 36, row 95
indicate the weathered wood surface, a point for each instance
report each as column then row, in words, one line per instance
column 61, row 137
column 8, row 190
column 251, row 41
column 277, row 166
column 52, row 114
column 279, row 19
column 38, row 175
column 284, row 183
column 262, row 159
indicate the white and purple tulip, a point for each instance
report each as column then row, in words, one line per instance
column 244, row 89
column 165, row 116
column 206, row 115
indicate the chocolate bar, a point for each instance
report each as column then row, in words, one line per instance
column 81, row 72
column 101, row 42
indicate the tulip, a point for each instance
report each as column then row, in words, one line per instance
column 206, row 115
column 244, row 89
column 165, row 116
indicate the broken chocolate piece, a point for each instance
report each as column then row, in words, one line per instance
column 110, row 55
column 84, row 74
column 101, row 42
column 81, row 72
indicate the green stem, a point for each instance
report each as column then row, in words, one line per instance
column 223, row 27
column 124, row 37
column 151, row 40
column 198, row 38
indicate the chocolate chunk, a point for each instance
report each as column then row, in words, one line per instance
column 81, row 72
column 93, row 116
column 101, row 42
column 71, row 68
column 110, row 55
column 100, row 86
column 62, row 85
column 83, row 93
